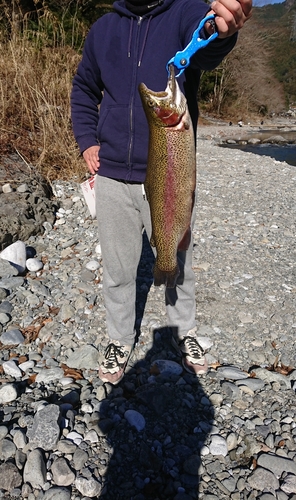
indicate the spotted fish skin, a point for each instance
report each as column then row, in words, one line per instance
column 171, row 176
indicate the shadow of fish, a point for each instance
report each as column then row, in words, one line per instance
column 171, row 176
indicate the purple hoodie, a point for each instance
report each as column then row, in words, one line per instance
column 121, row 51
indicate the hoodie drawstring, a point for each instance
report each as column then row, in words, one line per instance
column 130, row 38
column 144, row 40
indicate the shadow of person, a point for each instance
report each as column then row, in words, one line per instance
column 156, row 422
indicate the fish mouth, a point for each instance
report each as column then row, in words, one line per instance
column 165, row 108
column 171, row 97
column 170, row 88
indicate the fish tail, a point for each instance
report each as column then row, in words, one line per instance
column 167, row 278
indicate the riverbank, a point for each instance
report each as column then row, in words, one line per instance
column 161, row 433
column 210, row 128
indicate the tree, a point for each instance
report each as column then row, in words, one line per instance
column 244, row 82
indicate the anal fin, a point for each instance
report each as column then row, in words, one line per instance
column 185, row 241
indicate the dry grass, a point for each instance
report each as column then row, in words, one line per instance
column 36, row 71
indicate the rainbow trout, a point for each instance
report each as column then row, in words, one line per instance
column 171, row 176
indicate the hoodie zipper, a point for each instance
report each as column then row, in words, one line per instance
column 131, row 111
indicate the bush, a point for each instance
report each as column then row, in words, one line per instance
column 39, row 54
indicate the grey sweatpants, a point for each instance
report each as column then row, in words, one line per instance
column 122, row 213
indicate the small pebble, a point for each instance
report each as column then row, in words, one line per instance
column 135, row 419
column 34, row 265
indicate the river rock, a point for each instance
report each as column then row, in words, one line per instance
column 20, row 439
column 10, row 477
column 12, row 337
column 11, row 283
column 3, row 431
column 254, row 141
column 275, row 139
column 6, row 269
column 15, row 254
column 4, row 318
column 7, row 449
column 232, row 373
column 165, row 366
column 218, row 445
column 231, row 390
column 8, row 393
column 92, row 265
column 33, row 264
column 49, row 375
column 6, row 188
column 22, row 214
column 88, row 487
column 135, row 419
column 62, row 474
column 277, row 464
column 56, row 493
column 262, row 479
column 231, row 441
column 255, row 384
column 45, row 430
column 271, row 376
column 35, row 470
column 84, row 357
column 79, row 458
column 75, row 437
column 289, row 484
column 10, row 368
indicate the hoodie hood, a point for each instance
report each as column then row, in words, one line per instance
column 156, row 7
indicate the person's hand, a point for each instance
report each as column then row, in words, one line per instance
column 231, row 15
column 91, row 157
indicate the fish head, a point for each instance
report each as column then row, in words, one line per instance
column 166, row 108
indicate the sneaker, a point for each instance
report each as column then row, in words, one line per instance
column 193, row 355
column 114, row 362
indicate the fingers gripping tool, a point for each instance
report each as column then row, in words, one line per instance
column 182, row 58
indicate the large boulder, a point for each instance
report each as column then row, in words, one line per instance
column 26, row 201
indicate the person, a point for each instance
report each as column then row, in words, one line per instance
column 123, row 48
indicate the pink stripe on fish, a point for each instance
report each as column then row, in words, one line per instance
column 170, row 190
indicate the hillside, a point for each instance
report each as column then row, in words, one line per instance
column 278, row 22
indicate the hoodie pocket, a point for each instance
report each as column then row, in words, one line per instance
column 113, row 132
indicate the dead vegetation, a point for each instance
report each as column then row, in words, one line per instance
column 36, row 71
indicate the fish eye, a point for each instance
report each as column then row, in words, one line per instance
column 150, row 103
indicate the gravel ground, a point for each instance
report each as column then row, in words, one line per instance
column 161, row 433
